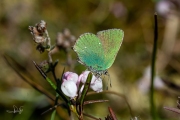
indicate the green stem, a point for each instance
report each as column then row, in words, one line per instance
column 51, row 83
column 45, row 76
column 83, row 94
column 152, row 104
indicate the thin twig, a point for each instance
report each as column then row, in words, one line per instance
column 90, row 116
column 52, row 108
column 172, row 109
column 94, row 101
column 30, row 82
column 115, row 93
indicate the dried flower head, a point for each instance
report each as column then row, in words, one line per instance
column 44, row 65
column 65, row 39
column 41, row 27
column 40, row 36
column 37, row 32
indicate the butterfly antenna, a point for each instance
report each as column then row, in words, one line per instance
column 109, row 80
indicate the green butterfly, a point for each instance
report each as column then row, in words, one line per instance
column 98, row 52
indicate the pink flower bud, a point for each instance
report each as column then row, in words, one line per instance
column 70, row 76
column 69, row 88
column 96, row 83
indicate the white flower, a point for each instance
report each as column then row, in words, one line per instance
column 84, row 76
column 69, row 88
column 69, row 84
column 96, row 83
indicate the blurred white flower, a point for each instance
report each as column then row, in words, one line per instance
column 145, row 81
column 163, row 7
column 118, row 9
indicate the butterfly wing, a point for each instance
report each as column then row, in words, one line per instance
column 111, row 41
column 90, row 51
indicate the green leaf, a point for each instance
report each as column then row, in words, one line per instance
column 53, row 115
column 84, row 92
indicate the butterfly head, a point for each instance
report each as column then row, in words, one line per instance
column 98, row 73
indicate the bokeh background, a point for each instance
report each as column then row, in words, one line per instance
column 130, row 73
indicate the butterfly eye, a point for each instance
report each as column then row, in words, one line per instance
column 72, row 47
column 106, row 72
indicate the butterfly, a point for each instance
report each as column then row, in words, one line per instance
column 98, row 52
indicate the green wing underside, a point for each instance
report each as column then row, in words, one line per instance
column 99, row 51
column 89, row 50
column 111, row 40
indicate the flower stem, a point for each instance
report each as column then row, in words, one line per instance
column 152, row 104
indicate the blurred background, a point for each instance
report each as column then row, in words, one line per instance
column 130, row 73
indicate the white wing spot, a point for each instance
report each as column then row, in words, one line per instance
column 99, row 43
column 85, row 47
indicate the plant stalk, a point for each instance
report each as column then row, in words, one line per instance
column 152, row 104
